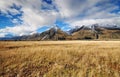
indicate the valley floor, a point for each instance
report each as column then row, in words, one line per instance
column 60, row 59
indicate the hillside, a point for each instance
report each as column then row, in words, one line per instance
column 79, row 33
column 95, row 32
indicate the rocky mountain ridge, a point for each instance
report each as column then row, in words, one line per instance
column 94, row 31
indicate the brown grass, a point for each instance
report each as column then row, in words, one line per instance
column 60, row 59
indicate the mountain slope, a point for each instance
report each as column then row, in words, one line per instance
column 53, row 34
column 82, row 33
column 94, row 31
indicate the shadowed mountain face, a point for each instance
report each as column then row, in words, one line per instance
column 78, row 33
column 96, row 32
column 54, row 33
column 82, row 32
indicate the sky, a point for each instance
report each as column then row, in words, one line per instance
column 25, row 17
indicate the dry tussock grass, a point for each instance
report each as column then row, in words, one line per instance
column 60, row 59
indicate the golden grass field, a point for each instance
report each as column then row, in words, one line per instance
column 60, row 59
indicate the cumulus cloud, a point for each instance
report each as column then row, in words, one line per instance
column 73, row 8
column 85, row 8
column 2, row 34
column 33, row 17
column 87, row 12
column 102, row 22
column 38, row 13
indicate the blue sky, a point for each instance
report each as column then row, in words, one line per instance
column 24, row 17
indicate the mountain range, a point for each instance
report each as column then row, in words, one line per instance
column 94, row 31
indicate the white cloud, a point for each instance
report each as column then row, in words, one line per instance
column 72, row 8
column 15, row 21
column 6, row 7
column 38, row 19
column 87, row 22
column 2, row 34
column 86, row 12
column 33, row 16
column 72, row 12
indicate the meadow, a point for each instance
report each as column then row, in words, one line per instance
column 60, row 59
